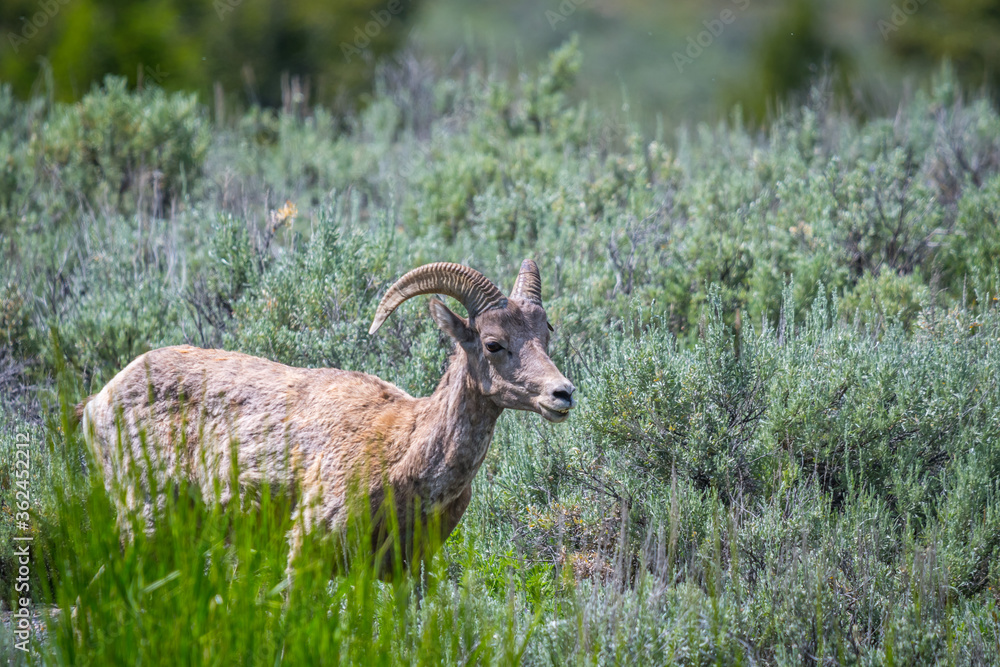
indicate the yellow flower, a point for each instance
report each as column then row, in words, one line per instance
column 285, row 214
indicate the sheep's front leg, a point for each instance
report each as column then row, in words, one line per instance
column 452, row 513
column 295, row 538
column 448, row 517
column 313, row 521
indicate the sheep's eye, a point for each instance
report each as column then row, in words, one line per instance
column 494, row 346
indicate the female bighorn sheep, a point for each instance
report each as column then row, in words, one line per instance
column 325, row 431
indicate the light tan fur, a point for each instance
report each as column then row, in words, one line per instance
column 320, row 431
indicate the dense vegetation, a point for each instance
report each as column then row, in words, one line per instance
column 787, row 347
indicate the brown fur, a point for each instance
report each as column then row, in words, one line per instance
column 322, row 430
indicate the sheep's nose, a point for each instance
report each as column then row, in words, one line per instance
column 564, row 393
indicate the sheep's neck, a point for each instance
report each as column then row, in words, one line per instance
column 455, row 427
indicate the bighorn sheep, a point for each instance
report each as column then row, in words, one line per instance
column 322, row 430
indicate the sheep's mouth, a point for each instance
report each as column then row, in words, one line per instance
column 555, row 415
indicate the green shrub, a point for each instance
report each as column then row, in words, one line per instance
column 973, row 249
column 126, row 150
column 18, row 120
column 690, row 414
column 886, row 299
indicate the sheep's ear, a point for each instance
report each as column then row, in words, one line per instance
column 450, row 323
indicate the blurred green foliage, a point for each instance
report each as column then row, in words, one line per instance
column 762, row 52
column 965, row 32
column 785, row 343
column 244, row 45
column 274, row 54
column 787, row 58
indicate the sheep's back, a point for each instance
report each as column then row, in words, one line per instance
column 194, row 410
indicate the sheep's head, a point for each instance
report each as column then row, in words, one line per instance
column 505, row 339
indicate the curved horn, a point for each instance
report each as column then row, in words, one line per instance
column 528, row 286
column 472, row 289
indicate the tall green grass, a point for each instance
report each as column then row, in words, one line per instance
column 206, row 583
